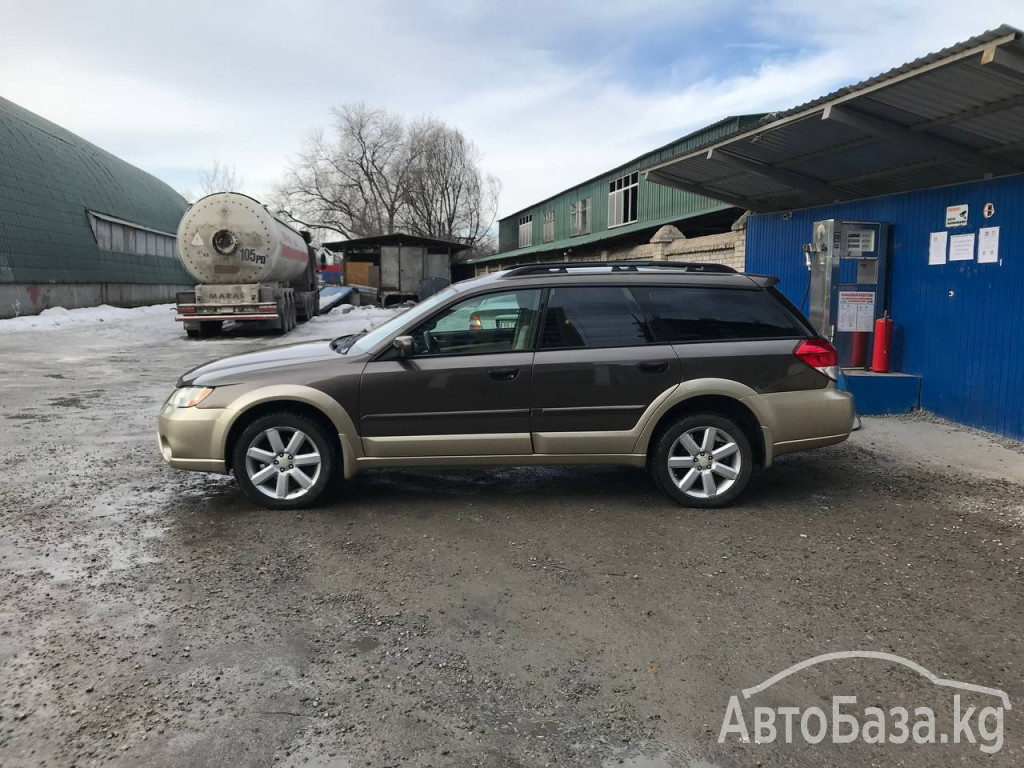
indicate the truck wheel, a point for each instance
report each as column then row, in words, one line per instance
column 286, row 460
column 280, row 326
column 292, row 321
column 208, row 328
column 702, row 460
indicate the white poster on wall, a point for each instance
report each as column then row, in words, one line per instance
column 961, row 247
column 937, row 248
column 988, row 245
column 856, row 311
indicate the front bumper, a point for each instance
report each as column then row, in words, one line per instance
column 193, row 438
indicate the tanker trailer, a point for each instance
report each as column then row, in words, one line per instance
column 249, row 265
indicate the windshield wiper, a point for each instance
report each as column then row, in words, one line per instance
column 343, row 344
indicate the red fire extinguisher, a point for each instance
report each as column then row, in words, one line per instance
column 883, row 344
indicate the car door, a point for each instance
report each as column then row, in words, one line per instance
column 596, row 370
column 465, row 390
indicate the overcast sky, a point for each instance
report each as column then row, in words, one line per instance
column 551, row 92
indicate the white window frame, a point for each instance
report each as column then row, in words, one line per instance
column 579, row 217
column 526, row 231
column 549, row 227
column 622, row 201
column 120, row 236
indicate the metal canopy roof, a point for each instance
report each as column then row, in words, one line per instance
column 952, row 116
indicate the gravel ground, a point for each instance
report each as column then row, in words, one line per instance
column 521, row 617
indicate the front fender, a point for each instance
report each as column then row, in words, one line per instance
column 351, row 446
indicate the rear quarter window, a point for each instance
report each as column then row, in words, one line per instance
column 680, row 314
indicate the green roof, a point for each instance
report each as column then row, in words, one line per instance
column 49, row 179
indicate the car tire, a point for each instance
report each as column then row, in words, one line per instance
column 304, row 482
column 691, row 474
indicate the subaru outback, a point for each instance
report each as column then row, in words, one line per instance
column 694, row 371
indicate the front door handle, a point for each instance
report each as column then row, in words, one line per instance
column 649, row 366
column 503, row 374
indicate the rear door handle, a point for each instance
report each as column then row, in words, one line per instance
column 652, row 367
column 503, row 374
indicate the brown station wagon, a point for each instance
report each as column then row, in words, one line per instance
column 693, row 371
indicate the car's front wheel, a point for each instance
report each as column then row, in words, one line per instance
column 285, row 460
column 702, row 460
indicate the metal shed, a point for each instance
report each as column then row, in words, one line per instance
column 393, row 268
column 79, row 226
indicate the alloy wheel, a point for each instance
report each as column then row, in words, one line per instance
column 704, row 462
column 283, row 463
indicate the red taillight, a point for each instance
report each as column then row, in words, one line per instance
column 816, row 353
column 474, row 322
column 186, row 310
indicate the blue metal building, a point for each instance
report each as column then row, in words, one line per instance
column 945, row 130
column 958, row 325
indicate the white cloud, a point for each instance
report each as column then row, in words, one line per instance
column 553, row 93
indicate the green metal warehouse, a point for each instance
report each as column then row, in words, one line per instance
column 78, row 226
column 616, row 210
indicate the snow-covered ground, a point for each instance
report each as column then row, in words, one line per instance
column 157, row 322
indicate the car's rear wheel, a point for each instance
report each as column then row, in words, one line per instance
column 285, row 460
column 702, row 460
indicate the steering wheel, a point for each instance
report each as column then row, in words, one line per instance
column 422, row 343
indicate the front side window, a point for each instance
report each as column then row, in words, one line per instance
column 579, row 218
column 622, row 200
column 525, row 231
column 487, row 324
column 593, row 317
column 681, row 314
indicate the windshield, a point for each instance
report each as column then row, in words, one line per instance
column 381, row 332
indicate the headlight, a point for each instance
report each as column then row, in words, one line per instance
column 186, row 397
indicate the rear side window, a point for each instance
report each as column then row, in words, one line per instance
column 711, row 314
column 593, row 317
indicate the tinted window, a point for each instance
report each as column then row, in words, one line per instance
column 593, row 317
column 708, row 314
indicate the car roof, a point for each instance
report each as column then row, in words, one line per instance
column 616, row 273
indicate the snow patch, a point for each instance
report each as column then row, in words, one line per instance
column 59, row 317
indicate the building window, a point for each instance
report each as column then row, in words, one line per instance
column 122, row 237
column 549, row 227
column 525, row 231
column 579, row 218
column 622, row 197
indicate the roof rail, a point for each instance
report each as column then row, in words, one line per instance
column 554, row 268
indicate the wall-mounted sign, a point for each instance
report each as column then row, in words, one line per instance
column 989, row 210
column 956, row 216
column 856, row 311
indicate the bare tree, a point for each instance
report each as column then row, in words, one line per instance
column 219, row 178
column 374, row 173
column 449, row 196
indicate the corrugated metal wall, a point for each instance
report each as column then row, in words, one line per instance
column 656, row 202
column 968, row 347
column 49, row 179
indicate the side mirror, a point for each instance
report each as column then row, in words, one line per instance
column 403, row 344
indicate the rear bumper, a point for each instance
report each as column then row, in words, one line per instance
column 240, row 316
column 193, row 438
column 799, row 421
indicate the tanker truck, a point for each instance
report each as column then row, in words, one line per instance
column 249, row 265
